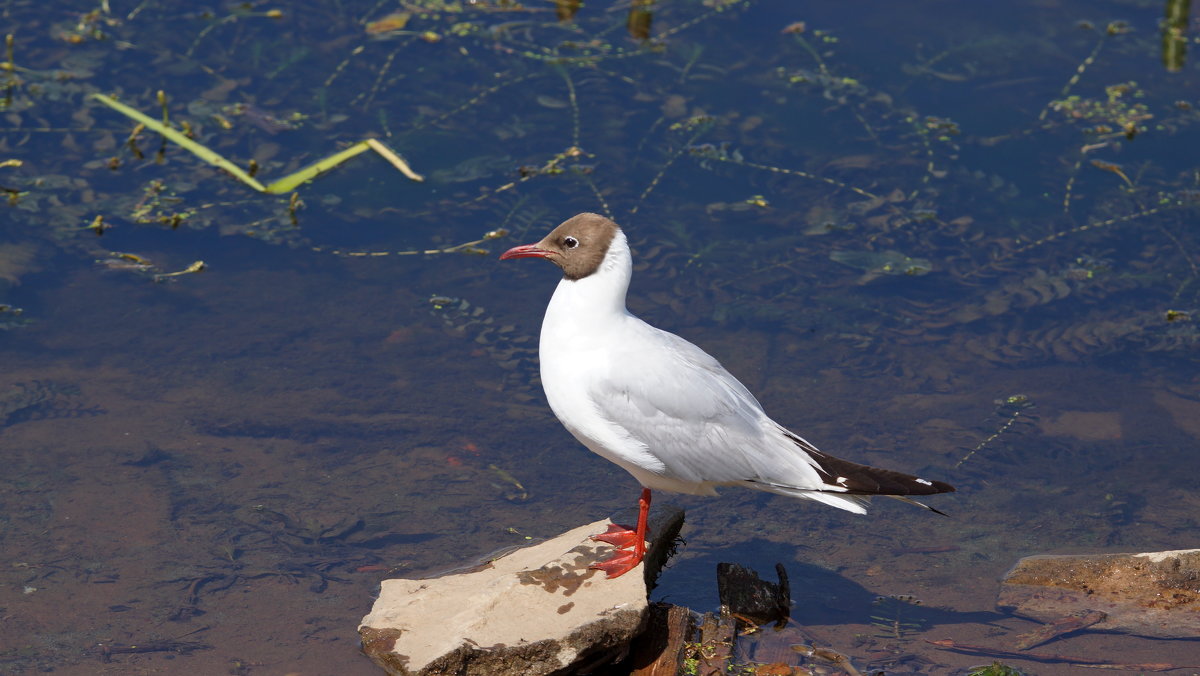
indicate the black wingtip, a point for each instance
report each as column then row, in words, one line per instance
column 856, row 479
column 941, row 486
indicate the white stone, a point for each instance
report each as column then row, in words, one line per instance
column 533, row 611
column 1156, row 557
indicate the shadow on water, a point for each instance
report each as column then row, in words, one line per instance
column 820, row 597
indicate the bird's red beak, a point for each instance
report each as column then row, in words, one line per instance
column 525, row 251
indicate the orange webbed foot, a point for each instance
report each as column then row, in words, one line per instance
column 618, row 536
column 620, row 563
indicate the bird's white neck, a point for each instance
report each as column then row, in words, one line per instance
column 578, row 305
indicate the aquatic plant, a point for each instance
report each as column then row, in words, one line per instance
column 995, row 669
column 891, row 619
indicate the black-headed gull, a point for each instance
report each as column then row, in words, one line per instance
column 662, row 408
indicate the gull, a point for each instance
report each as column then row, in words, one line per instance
column 663, row 409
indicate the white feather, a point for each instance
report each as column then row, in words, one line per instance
column 659, row 406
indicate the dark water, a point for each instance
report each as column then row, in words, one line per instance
column 956, row 239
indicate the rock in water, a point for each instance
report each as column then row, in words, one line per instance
column 537, row 610
column 1152, row 594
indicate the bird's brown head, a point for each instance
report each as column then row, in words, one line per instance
column 578, row 246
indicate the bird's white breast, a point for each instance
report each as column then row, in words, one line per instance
column 585, row 326
column 650, row 401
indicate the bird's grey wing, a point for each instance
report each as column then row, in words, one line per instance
column 689, row 412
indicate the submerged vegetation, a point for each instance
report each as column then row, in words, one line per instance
column 995, row 669
column 517, row 111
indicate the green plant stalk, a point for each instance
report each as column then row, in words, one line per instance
column 188, row 144
column 291, row 181
column 283, row 185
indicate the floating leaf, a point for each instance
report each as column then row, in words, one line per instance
column 392, row 22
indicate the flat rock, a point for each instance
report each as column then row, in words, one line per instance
column 537, row 610
column 1150, row 594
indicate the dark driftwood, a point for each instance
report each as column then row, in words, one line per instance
column 660, row 649
column 746, row 596
column 676, row 636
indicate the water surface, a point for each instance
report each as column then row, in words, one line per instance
column 955, row 240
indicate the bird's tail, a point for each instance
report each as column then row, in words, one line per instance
column 850, row 503
column 849, row 484
column 918, row 503
column 844, row 476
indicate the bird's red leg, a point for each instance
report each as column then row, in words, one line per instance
column 624, row 560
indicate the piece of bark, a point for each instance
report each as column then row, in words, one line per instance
column 659, row 651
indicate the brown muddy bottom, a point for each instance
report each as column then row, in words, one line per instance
column 226, row 501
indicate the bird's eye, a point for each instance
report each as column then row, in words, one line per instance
column 570, row 242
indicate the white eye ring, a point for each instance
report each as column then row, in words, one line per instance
column 570, row 242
